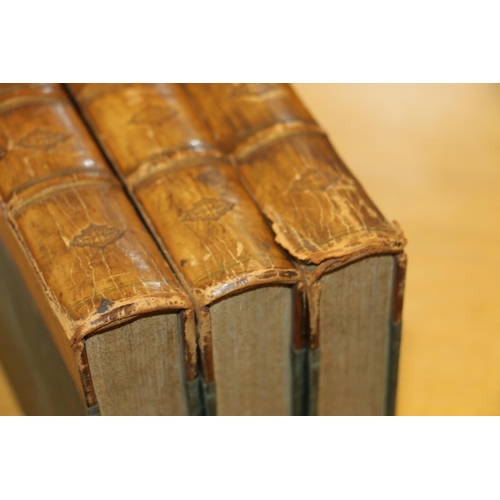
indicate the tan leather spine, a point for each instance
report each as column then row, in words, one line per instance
column 204, row 220
column 318, row 210
column 88, row 249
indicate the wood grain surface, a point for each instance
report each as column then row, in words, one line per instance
column 429, row 156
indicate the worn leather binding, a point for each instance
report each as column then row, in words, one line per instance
column 317, row 209
column 87, row 259
column 192, row 200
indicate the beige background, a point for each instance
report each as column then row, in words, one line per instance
column 429, row 155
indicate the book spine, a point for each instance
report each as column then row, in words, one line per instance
column 85, row 243
column 317, row 209
column 188, row 193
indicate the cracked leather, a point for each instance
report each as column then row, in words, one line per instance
column 206, row 223
column 95, row 261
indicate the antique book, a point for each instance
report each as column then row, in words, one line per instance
column 351, row 257
column 92, row 318
column 247, row 294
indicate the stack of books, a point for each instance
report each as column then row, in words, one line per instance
column 195, row 249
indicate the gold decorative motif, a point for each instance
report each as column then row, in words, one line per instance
column 314, row 180
column 211, row 178
column 242, row 90
column 42, row 139
column 208, row 209
column 154, row 115
column 97, row 236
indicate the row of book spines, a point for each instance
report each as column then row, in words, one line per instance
column 141, row 180
column 199, row 173
column 296, row 159
column 150, row 166
column 273, row 132
column 52, row 187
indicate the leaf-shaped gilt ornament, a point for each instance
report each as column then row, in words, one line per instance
column 208, row 209
column 154, row 115
column 97, row 236
column 314, row 180
column 42, row 139
column 242, row 90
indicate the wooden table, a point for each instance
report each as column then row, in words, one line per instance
column 429, row 155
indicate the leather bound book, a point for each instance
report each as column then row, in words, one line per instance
column 246, row 292
column 351, row 256
column 92, row 318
